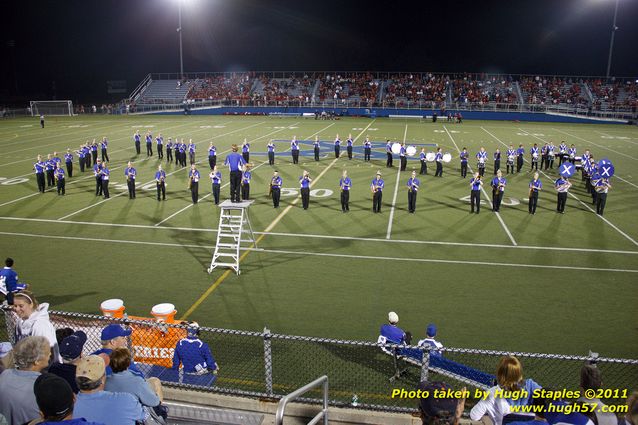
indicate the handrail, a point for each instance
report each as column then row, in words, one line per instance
column 323, row 381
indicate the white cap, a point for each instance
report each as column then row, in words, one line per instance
column 393, row 317
column 163, row 309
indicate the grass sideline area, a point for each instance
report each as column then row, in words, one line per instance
column 545, row 283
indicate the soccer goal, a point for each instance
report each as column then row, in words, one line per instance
column 51, row 107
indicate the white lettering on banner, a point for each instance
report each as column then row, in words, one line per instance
column 141, row 351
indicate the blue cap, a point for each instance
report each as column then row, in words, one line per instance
column 113, row 331
column 71, row 346
column 431, row 330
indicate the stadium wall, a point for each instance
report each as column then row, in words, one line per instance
column 386, row 112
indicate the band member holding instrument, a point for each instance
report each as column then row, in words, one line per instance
column 602, row 188
column 50, row 168
column 106, row 176
column 294, row 150
column 235, row 163
column 520, row 153
column 345, row 183
column 562, row 153
column 130, row 173
column 136, row 138
column 463, row 156
column 39, row 167
column 68, row 160
column 498, row 189
column 271, row 152
column 402, row 157
column 159, row 141
column 59, row 179
column 544, row 161
column 193, row 183
column 571, row 153
column 481, row 158
column 304, row 182
column 584, row 160
column 212, row 156
column 94, row 151
column 149, row 144
column 181, row 149
column 377, row 186
column 475, row 194
column 160, row 181
column 337, row 146
column 191, row 152
column 595, row 178
column 216, row 180
column 367, row 149
column 535, row 186
column 87, row 155
column 245, row 151
column 349, row 144
column 97, row 172
column 424, row 162
column 534, row 153
column 275, row 188
column 562, row 185
column 413, row 187
column 169, row 150
column 511, row 154
column 587, row 174
column 388, row 152
column 245, row 182
column 316, row 147
column 551, row 153
column 497, row 160
column 81, row 158
column 438, row 158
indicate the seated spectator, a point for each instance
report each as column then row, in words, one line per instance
column 33, row 320
column 193, row 354
column 112, row 337
column 17, row 401
column 55, row 400
column 95, row 404
column 393, row 333
column 591, row 379
column 509, row 377
column 429, row 340
column 71, row 352
column 62, row 333
column 631, row 418
column 6, row 356
column 439, row 411
column 148, row 393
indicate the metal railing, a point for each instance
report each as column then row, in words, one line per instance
column 323, row 414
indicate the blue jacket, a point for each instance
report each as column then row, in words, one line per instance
column 194, row 354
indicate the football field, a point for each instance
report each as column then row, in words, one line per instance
column 549, row 282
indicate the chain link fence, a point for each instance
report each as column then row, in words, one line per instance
column 362, row 374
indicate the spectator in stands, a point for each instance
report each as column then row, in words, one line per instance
column 95, row 404
column 33, row 320
column 6, row 356
column 193, row 354
column 591, row 379
column 112, row 337
column 17, row 401
column 429, row 340
column 438, row 410
column 55, row 400
column 631, row 418
column 509, row 377
column 9, row 281
column 71, row 352
column 148, row 393
column 62, row 333
column 393, row 333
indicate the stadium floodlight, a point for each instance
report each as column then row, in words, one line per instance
column 179, row 32
column 614, row 28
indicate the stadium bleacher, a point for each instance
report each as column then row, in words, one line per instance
column 165, row 91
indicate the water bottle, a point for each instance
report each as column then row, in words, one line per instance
column 355, row 401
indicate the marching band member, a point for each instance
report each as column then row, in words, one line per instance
column 402, row 157
column 149, row 144
column 160, row 182
column 388, row 152
column 367, row 149
column 439, row 163
column 602, row 188
column 68, row 160
column 39, row 167
column 87, row 155
column 463, row 156
column 59, row 178
column 544, row 151
column 520, row 153
column 571, row 153
column 182, row 153
column 50, row 168
column 535, row 186
column 562, row 185
column 193, row 183
column 534, row 153
column 106, row 175
column 81, row 158
column 475, row 194
column 481, row 157
column 337, row 146
column 377, row 186
column 245, row 151
column 584, row 160
column 235, row 163
column 130, row 173
column 294, row 150
column 594, row 179
column 275, row 188
column 212, row 156
column 345, row 183
column 271, row 152
column 424, row 162
column 511, row 154
column 56, row 159
column 413, row 187
column 245, row 182
column 349, row 144
column 191, row 152
column 136, row 139
column 498, row 189
column 562, row 153
column 169, row 150
column 551, row 153
column 97, row 172
column 216, row 180
column 94, row 151
column 587, row 173
column 104, row 144
column 497, row 160
column 304, row 182
column 315, row 146
column 159, row 141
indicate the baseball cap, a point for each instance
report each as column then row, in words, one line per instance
column 91, row 367
column 5, row 348
column 431, row 330
column 53, row 395
column 113, row 331
column 71, row 346
column 393, row 317
column 434, row 406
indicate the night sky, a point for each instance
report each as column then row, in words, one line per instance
column 80, row 44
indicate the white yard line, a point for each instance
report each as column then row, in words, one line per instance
column 589, row 141
column 323, row 254
column 498, row 215
column 396, row 191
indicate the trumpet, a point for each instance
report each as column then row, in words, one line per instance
column 190, row 181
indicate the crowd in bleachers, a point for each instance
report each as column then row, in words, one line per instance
column 361, row 87
column 405, row 89
column 221, row 87
column 553, row 91
column 482, row 90
column 287, row 90
column 614, row 95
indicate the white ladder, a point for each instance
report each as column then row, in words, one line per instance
column 233, row 229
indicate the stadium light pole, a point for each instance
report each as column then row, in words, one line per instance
column 611, row 43
column 179, row 31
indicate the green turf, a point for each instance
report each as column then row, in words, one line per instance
column 75, row 264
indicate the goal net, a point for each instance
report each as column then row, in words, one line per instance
column 51, row 107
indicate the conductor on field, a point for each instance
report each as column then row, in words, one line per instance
column 235, row 163
column 42, row 120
